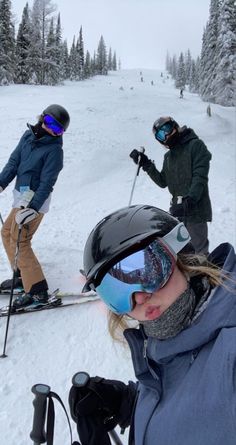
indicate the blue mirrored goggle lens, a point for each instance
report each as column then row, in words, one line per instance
column 144, row 271
column 53, row 125
column 164, row 131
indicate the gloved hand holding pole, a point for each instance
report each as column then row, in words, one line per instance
column 93, row 404
column 136, row 175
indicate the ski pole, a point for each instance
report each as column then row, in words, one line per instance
column 115, row 438
column 26, row 198
column 79, row 380
column 38, row 433
column 136, row 175
column 12, row 291
column 44, row 409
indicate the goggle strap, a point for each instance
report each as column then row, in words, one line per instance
column 177, row 238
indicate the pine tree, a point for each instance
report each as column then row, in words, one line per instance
column 224, row 83
column 181, row 75
column 188, row 63
column 101, row 61
column 23, row 72
column 87, row 66
column 81, row 54
column 59, row 51
column 73, row 61
column 41, row 18
column 209, row 52
column 114, row 64
column 50, row 63
column 35, row 48
column 7, row 44
column 65, row 66
column 109, row 63
column 194, row 77
column 93, row 65
column 168, row 62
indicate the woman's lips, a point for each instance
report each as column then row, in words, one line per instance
column 152, row 312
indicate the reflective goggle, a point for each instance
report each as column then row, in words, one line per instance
column 53, row 125
column 164, row 131
column 144, row 271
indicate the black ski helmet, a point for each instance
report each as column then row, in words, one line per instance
column 125, row 231
column 161, row 121
column 59, row 113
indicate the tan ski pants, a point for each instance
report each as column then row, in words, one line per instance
column 31, row 271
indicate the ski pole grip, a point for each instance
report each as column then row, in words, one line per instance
column 38, row 434
column 142, row 150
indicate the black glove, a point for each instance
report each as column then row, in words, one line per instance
column 183, row 209
column 99, row 406
column 141, row 159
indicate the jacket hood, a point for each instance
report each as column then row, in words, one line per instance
column 220, row 313
column 186, row 135
column 45, row 139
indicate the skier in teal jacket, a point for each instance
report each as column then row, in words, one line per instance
column 35, row 165
column 141, row 263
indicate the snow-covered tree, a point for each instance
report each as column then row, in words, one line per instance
column 109, row 62
column 23, row 73
column 188, row 64
column 73, row 61
column 7, row 43
column 181, row 75
column 209, row 52
column 41, row 17
column 224, row 83
column 80, row 52
column 194, row 77
column 87, row 66
column 60, row 51
column 114, row 64
column 64, row 65
column 51, row 61
column 101, row 61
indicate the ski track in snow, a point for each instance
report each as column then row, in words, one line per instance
column 106, row 124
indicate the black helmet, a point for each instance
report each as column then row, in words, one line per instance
column 125, row 231
column 163, row 120
column 59, row 113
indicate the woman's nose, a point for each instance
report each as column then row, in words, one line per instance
column 141, row 297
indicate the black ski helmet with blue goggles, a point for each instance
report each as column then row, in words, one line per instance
column 59, row 113
column 163, row 127
column 133, row 249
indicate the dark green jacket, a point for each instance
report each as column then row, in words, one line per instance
column 185, row 172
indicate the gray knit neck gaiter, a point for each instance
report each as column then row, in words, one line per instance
column 174, row 319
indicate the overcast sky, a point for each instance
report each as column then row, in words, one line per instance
column 141, row 31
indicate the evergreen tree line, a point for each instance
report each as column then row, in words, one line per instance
column 213, row 74
column 39, row 55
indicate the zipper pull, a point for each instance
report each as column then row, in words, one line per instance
column 145, row 348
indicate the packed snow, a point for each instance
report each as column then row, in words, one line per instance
column 110, row 116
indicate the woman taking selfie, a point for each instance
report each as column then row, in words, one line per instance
column 139, row 260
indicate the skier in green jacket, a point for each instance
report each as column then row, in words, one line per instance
column 185, row 172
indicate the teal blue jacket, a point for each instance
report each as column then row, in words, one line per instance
column 35, row 163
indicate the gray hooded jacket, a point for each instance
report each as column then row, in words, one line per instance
column 187, row 384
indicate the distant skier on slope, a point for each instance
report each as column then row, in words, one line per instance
column 181, row 93
column 185, row 173
column 35, row 163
